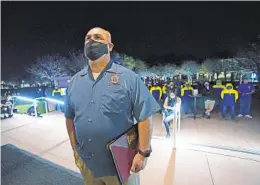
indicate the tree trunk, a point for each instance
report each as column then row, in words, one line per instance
column 241, row 77
column 52, row 83
column 232, row 76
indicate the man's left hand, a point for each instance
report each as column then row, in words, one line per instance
column 139, row 163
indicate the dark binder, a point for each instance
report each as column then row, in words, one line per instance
column 123, row 150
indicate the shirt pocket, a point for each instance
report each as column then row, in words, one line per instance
column 114, row 100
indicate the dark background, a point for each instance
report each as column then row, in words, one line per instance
column 156, row 32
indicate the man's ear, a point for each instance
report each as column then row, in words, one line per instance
column 110, row 46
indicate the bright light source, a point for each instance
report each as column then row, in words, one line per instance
column 40, row 98
column 54, row 101
column 25, row 99
column 253, row 75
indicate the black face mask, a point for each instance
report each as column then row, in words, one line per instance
column 94, row 50
column 229, row 87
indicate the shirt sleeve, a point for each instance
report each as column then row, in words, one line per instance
column 144, row 104
column 68, row 109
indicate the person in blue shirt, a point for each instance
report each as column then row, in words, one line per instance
column 229, row 97
column 104, row 100
column 245, row 90
column 186, row 94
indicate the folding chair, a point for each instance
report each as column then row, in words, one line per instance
column 177, row 117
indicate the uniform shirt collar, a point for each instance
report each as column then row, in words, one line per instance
column 111, row 68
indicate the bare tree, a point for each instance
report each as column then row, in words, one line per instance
column 217, row 66
column 210, row 66
column 130, row 62
column 13, row 81
column 190, row 68
column 167, row 70
column 144, row 72
column 249, row 58
column 49, row 68
column 140, row 65
column 76, row 62
column 153, row 71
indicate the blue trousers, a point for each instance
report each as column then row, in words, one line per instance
column 245, row 105
column 167, row 121
column 187, row 106
column 220, row 103
column 224, row 111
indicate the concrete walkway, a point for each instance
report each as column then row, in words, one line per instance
column 208, row 152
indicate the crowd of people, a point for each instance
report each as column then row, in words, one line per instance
column 214, row 97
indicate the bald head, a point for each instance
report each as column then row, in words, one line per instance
column 99, row 34
column 98, row 44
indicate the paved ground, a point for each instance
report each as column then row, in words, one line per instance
column 208, row 152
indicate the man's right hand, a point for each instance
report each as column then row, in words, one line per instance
column 76, row 155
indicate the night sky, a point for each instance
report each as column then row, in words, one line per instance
column 152, row 31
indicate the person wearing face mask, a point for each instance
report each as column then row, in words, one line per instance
column 170, row 104
column 245, row 90
column 209, row 97
column 229, row 97
column 186, row 94
column 149, row 85
column 170, row 87
column 218, row 88
column 103, row 101
column 156, row 91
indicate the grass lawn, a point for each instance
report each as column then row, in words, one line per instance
column 24, row 107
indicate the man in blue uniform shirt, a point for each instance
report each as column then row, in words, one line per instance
column 245, row 90
column 103, row 101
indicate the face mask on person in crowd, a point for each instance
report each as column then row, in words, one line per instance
column 172, row 95
column 229, row 87
column 95, row 50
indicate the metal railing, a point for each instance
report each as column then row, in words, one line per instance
column 176, row 123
